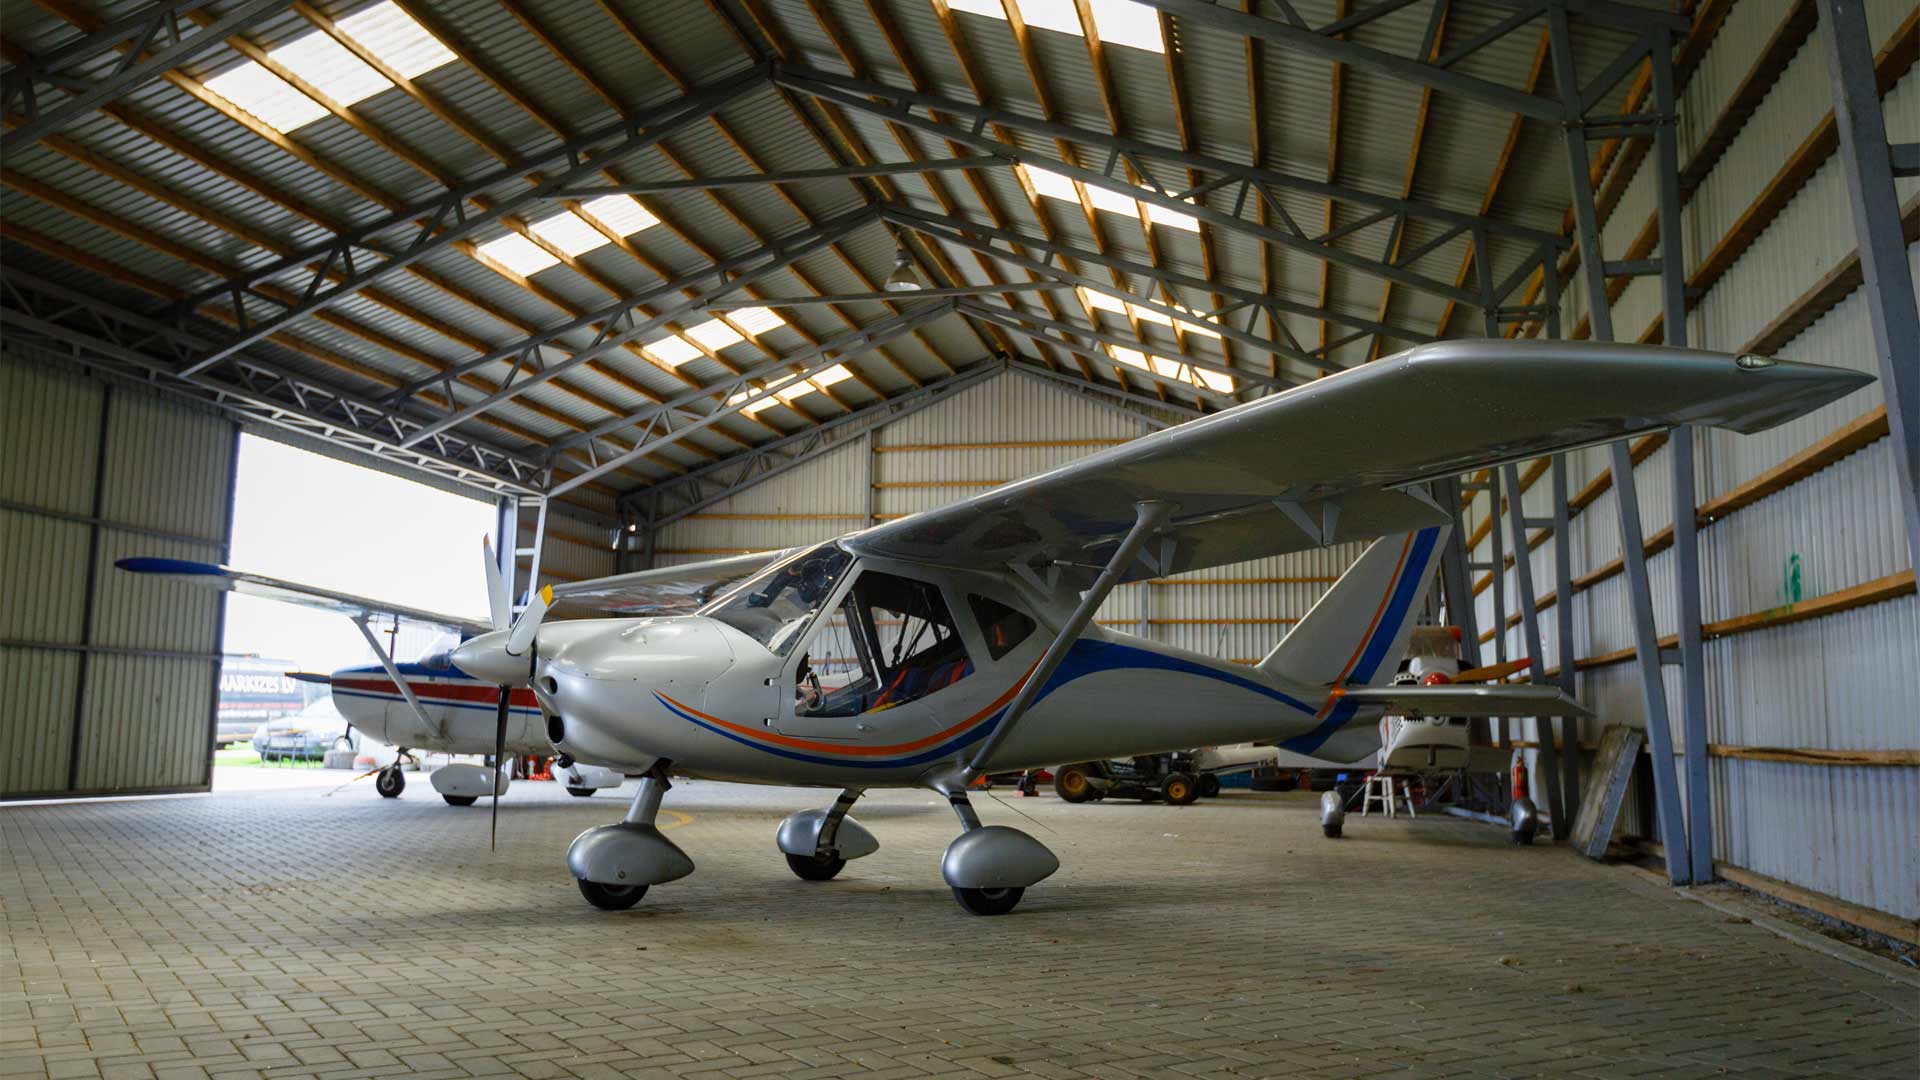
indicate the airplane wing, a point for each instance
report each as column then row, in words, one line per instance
column 1497, row 699
column 293, row 592
column 1342, row 457
column 668, row 590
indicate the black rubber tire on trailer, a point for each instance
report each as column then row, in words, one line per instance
column 461, row 800
column 1071, row 783
column 390, row 783
column 1209, row 786
column 814, row 867
column 611, row 897
column 988, row 901
column 1180, row 789
column 581, row 792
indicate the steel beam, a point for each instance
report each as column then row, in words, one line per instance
column 437, row 223
column 1111, row 397
column 1293, row 33
column 1883, row 250
column 1563, row 631
column 671, row 421
column 1646, row 640
column 792, row 176
column 617, row 324
column 81, row 328
column 689, row 493
column 1032, row 326
column 1545, row 756
column 902, row 297
column 973, row 236
column 65, row 68
column 899, row 107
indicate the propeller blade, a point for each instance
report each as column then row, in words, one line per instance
column 521, row 638
column 499, row 600
column 499, row 752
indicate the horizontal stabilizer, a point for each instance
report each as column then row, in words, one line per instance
column 1494, row 700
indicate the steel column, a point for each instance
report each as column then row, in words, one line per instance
column 1563, row 631
column 1544, row 756
column 1883, row 249
column 1646, row 640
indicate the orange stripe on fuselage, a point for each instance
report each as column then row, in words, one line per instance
column 854, row 751
column 1392, row 580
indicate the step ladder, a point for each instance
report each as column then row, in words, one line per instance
column 1382, row 790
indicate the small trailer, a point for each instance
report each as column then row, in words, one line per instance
column 1173, row 778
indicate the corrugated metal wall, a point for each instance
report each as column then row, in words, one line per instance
column 1828, row 683
column 109, row 677
column 1004, row 429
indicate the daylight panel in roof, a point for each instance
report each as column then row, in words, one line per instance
column 392, row 35
column 271, row 99
column 331, row 67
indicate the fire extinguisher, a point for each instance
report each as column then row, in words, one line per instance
column 1520, row 777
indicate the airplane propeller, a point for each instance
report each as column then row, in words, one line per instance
column 521, row 636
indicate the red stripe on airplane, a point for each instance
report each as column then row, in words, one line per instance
column 431, row 692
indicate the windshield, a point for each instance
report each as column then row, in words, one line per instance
column 774, row 607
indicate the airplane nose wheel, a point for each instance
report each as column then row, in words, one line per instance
column 988, row 901
column 611, row 897
column 391, row 782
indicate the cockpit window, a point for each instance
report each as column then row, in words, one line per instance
column 776, row 606
column 439, row 653
column 891, row 641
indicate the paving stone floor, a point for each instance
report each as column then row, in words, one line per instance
column 281, row 931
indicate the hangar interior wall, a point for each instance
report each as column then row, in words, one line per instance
column 109, row 677
column 1833, row 682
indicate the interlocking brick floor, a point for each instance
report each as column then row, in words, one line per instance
column 284, row 932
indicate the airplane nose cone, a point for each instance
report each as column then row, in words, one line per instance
column 486, row 657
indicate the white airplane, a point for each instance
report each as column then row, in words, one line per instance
column 426, row 704
column 926, row 651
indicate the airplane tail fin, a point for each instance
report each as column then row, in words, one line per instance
column 1357, row 632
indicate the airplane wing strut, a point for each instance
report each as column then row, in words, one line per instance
column 393, row 672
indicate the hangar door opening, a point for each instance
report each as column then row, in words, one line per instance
column 319, row 521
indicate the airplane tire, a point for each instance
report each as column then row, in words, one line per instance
column 988, row 901
column 1179, row 789
column 611, row 897
column 581, row 792
column 1209, row 786
column 815, row 867
column 461, row 800
column 1332, row 830
column 1070, row 782
column 390, row 783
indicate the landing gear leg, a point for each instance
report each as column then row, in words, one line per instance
column 990, row 866
column 615, row 864
column 818, row 843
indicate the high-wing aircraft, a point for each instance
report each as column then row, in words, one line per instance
column 925, row 651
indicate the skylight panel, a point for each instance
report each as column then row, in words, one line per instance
column 1213, row 380
column 834, row 374
column 756, row 400
column 271, row 99
column 1123, row 22
column 331, row 68
column 1099, row 301
column 715, row 334
column 518, row 254
column 1119, row 22
column 1172, row 219
column 569, row 232
column 755, row 320
column 392, row 35
column 671, row 351
column 1148, row 315
column 1130, row 357
column 1111, row 201
column 621, row 213
column 1051, row 184
column 1165, row 367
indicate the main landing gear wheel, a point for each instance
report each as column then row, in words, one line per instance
column 611, row 897
column 1209, row 786
column 1180, row 790
column 815, row 867
column 580, row 792
column 391, row 782
column 1070, row 783
column 460, row 800
column 988, row 901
